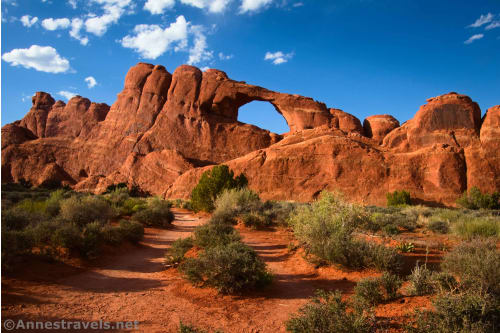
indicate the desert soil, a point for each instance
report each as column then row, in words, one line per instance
column 134, row 285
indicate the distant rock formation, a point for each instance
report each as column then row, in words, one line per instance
column 165, row 129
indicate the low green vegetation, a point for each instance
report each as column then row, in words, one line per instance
column 468, row 291
column 61, row 223
column 475, row 199
column 326, row 230
column 212, row 183
column 398, row 198
column 327, row 313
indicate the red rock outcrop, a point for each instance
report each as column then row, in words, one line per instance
column 165, row 129
column 378, row 126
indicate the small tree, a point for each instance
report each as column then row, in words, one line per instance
column 475, row 199
column 211, row 184
column 398, row 198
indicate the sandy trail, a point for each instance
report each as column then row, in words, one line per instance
column 135, row 286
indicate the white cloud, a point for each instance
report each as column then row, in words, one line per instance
column 493, row 25
column 151, row 41
column 473, row 38
column 113, row 10
column 28, row 21
column 66, row 94
column 482, row 20
column 199, row 52
column 91, row 82
column 223, row 56
column 54, row 24
column 158, row 6
column 204, row 69
column 298, row 4
column 253, row 5
column 213, row 6
column 76, row 26
column 72, row 3
column 278, row 57
column 41, row 58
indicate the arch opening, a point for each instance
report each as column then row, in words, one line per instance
column 263, row 115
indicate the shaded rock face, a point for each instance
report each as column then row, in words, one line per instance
column 165, row 129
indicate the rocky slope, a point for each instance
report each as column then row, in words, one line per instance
column 165, row 129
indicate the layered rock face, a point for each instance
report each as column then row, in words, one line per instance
column 165, row 129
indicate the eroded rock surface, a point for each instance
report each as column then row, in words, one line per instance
column 165, row 129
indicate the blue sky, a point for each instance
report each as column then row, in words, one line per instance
column 363, row 56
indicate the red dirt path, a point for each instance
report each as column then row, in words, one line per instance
column 135, row 285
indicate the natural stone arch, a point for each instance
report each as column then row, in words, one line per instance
column 269, row 114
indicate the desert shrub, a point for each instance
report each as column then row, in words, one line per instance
column 112, row 235
column 15, row 243
column 131, row 231
column 114, row 187
column 398, row 198
column 211, row 184
column 86, row 209
column 230, row 268
column 438, row 226
column 463, row 312
column 92, row 239
column 374, row 290
column 236, row 201
column 444, row 282
column 16, row 218
column 157, row 213
column 33, row 206
column 391, row 284
column 471, row 227
column 117, row 196
column 53, row 203
column 131, row 206
column 421, row 282
column 175, row 254
column 475, row 199
column 390, row 223
column 377, row 255
column 325, row 229
column 368, row 291
column 217, row 232
column 67, row 235
column 326, row 313
column 256, row 220
column 391, row 229
column 186, row 328
column 476, row 264
column 278, row 211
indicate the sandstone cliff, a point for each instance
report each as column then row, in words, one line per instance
column 165, row 129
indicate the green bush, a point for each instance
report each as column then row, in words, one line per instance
column 421, row 282
column 475, row 199
column 372, row 291
column 327, row 313
column 278, row 211
column 157, row 213
column 184, row 328
column 92, row 240
column 53, row 203
column 234, row 202
column 463, row 312
column 368, row 291
column 112, row 235
column 15, row 243
column 438, row 226
column 211, row 184
column 398, row 198
column 391, row 284
column 326, row 227
column 67, row 235
column 476, row 264
column 131, row 206
column 471, row 227
column 230, row 268
column 175, row 254
column 390, row 222
column 256, row 220
column 217, row 232
column 131, row 231
column 16, row 218
column 85, row 209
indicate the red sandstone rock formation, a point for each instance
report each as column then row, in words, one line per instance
column 165, row 129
